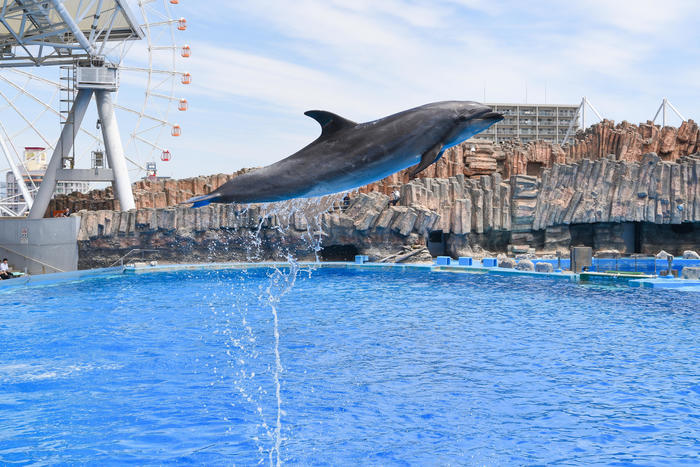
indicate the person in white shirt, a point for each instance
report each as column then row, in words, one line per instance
column 4, row 270
column 395, row 197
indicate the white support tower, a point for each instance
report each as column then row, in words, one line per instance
column 665, row 105
column 581, row 112
column 94, row 75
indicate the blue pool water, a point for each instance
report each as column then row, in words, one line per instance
column 379, row 368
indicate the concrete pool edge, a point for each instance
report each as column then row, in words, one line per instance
column 59, row 277
column 683, row 285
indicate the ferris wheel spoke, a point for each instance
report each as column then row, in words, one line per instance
column 152, row 70
column 164, row 96
column 14, row 149
column 26, row 120
column 149, row 143
column 129, row 159
column 169, row 22
column 48, row 107
column 36, row 78
column 141, row 114
column 147, row 130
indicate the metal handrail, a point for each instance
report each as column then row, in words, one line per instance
column 121, row 260
column 31, row 259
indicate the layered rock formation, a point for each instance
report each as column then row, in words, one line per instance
column 221, row 232
column 471, row 159
column 625, row 141
column 159, row 193
column 613, row 191
column 588, row 202
column 613, row 184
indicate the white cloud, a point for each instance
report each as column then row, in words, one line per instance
column 636, row 16
column 257, row 64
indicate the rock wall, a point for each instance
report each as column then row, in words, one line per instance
column 584, row 203
column 471, row 159
column 606, row 190
column 625, row 141
column 225, row 232
column 147, row 194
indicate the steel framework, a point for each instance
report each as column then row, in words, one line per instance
column 91, row 38
column 663, row 108
column 36, row 33
column 581, row 112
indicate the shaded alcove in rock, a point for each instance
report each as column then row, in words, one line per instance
column 338, row 253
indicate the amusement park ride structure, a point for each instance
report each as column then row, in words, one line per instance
column 90, row 43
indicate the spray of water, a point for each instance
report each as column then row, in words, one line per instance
column 281, row 232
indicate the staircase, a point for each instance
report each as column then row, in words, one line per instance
column 66, row 100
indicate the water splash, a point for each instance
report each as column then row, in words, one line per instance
column 281, row 232
column 281, row 282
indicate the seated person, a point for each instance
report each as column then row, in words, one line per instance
column 5, row 270
column 395, row 197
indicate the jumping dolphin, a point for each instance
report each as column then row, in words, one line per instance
column 348, row 155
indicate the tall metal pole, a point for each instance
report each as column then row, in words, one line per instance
column 114, row 150
column 65, row 143
column 19, row 180
column 663, row 115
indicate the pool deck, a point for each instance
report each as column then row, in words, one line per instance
column 650, row 282
column 59, row 277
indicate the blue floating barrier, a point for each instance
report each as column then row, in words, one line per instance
column 465, row 261
column 489, row 262
column 443, row 260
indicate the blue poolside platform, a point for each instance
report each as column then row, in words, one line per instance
column 58, row 277
column 489, row 266
column 646, row 265
column 643, row 280
column 664, row 283
column 464, row 265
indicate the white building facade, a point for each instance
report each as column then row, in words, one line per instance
column 33, row 169
column 531, row 122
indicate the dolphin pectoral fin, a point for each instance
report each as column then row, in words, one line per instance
column 199, row 201
column 431, row 156
column 330, row 122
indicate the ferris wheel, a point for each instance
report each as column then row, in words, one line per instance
column 58, row 56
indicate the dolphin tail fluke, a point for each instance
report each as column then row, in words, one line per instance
column 199, row 201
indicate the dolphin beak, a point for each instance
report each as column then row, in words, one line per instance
column 494, row 116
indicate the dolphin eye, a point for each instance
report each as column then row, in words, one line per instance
column 462, row 118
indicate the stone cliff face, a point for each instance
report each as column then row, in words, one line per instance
column 625, row 141
column 471, row 159
column 517, row 215
column 147, row 193
column 624, row 186
column 221, row 232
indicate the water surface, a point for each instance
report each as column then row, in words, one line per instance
column 379, row 368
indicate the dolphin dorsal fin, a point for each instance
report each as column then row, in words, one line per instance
column 330, row 122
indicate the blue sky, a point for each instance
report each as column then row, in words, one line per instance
column 257, row 65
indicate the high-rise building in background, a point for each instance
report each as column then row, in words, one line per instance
column 530, row 122
column 33, row 168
